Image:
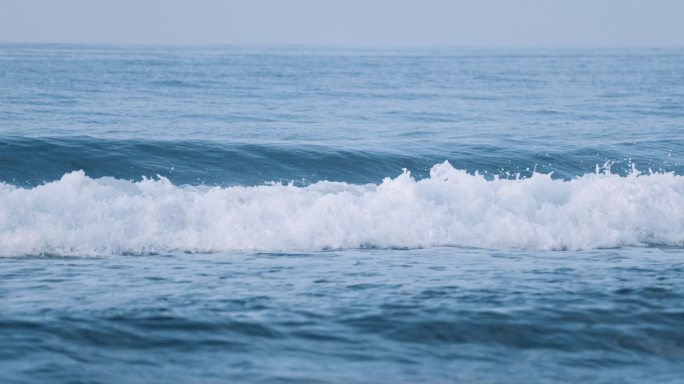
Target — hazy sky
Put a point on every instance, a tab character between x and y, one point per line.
347	22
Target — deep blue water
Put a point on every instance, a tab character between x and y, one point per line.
311	214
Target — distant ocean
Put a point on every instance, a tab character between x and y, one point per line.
341	215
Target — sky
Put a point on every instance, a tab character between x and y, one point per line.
635	23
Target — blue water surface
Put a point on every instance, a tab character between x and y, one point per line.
248	116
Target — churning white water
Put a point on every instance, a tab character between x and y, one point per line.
78	215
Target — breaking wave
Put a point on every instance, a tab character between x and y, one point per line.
77	215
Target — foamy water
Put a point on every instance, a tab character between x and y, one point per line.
78	215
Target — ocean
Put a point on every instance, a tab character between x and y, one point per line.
302	214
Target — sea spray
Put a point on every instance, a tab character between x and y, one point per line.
78	215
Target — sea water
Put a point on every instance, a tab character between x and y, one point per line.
340	214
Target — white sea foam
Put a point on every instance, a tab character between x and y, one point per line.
78	215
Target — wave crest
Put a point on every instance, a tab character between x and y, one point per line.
77	215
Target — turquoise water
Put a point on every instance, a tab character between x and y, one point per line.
304	214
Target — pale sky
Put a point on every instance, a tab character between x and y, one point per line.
347	22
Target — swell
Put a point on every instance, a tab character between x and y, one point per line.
33	161
78	215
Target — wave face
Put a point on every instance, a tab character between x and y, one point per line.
78	215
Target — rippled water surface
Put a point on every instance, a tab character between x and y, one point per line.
439	315
356	215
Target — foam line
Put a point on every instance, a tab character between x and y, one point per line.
77	215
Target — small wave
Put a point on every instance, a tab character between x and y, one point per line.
77	215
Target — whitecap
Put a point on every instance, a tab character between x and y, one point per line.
78	215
